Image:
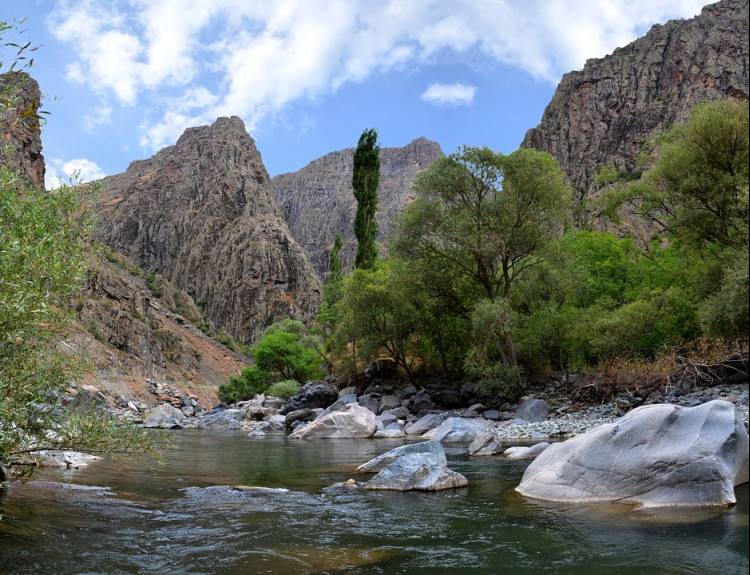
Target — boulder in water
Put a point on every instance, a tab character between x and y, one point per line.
354	421
525	452
486	443
656	455
458	429
224	420
426	423
164	416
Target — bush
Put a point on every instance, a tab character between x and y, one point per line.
251	381
725	313
284	389
285	350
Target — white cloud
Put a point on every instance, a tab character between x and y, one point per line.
449	94
101	116
255	57
76	171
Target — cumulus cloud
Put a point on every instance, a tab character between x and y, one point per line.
255	57
75	171
449	94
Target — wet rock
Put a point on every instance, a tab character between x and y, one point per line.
164	416
66	459
222	420
426	423
256	433
420	467
533	410
525	452
486	443
314	394
390	431
354	421
457	429
656	455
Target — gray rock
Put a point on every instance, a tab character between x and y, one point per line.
474	410
370	401
273	403
397	412
426	423
348	398
486	443
457	430
422	403
164	416
222	420
492	414
390	431
389	402
349	390
407	392
337	405
302	415
656	455
387	418
256	433
413	467
67	459
533	410
188	410
277	422
354	421
525	452
314	394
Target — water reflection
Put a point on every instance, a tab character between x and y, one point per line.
138	517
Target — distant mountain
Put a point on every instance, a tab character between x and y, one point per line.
605	112
317	201
202	214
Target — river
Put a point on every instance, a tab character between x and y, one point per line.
130	515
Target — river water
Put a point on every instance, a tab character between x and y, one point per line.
136	516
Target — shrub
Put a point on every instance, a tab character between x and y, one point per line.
251	381
285	350
284	389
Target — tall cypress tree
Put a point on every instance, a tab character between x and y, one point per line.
365	179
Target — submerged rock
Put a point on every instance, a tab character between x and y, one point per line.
656	455
486	443
525	452
354	421
164	416
415	467
458	429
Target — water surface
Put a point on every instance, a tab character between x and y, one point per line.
134	516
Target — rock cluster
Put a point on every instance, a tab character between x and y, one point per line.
201	213
317	201
603	114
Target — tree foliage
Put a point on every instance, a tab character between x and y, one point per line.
365	179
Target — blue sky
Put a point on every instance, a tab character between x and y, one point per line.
121	79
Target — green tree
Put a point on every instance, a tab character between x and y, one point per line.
44	253
330	313
365	178
696	188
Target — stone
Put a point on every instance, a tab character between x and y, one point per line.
277	422
188	410
223	420
492	414
354	421
421	403
457	430
656	455
474	410
348	398
255	409
313	394
66	459
486	443
389	402
371	401
532	410
397	412
164	416
348	390
419	467
602	114
386	418
256	433
337	405
390	431
317	201
407	392
273	403
426	423
433	448
301	415
191	209
519	452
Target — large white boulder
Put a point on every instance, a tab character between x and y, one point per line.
525	452
353	422
164	416
458	429
656	455
414	467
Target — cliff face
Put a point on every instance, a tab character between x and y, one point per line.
20	133
317	201
202	214
605	112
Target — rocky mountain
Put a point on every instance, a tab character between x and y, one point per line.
605	112
317	201
201	213
20	133
130	326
